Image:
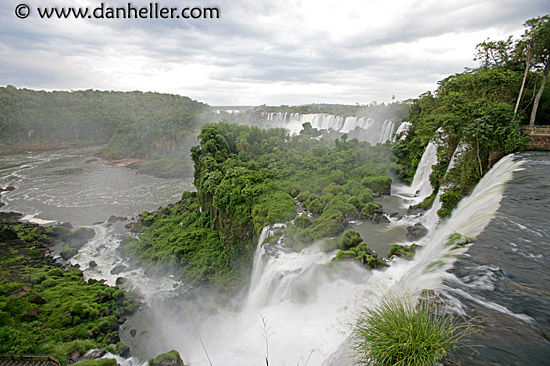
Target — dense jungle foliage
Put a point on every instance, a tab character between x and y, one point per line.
248	178
477	114
45	309
160	128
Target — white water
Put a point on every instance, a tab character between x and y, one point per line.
103	249
403	128
309	306
420	187
431	219
376	131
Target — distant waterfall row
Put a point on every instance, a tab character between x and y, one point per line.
375	131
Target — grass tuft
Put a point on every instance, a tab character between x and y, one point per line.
399	332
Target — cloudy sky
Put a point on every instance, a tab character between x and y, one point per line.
259	51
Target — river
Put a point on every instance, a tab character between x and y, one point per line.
298	308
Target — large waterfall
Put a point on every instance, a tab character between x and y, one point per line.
375	131
299	308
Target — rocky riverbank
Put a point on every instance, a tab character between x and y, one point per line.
47	307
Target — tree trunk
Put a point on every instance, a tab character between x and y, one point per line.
527	62
539	94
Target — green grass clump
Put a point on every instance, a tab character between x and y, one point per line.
398	332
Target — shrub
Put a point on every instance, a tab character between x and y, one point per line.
365	196
303	196
379	185
369	209
302	221
353	187
399	333
349	240
449	200
333	188
402	251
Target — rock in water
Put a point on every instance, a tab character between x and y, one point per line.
78	238
416	232
119	268
171	358
68	253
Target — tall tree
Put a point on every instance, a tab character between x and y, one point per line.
496	53
528	57
538	33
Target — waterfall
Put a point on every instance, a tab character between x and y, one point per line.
308	304
470	217
429	267
420	187
421	181
403	128
376	131
430	218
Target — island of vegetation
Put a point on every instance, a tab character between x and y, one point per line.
247	178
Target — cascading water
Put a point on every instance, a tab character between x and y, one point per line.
420	187
430	219
376	131
309	305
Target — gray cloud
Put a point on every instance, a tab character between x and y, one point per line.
276	52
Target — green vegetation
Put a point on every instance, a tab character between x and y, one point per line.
48	310
457	241
479	112
403	251
160	128
352	248
399	333
173	356
247	178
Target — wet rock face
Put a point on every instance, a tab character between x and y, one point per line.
78	238
2	190
114	219
119	268
10	217
416	232
68	253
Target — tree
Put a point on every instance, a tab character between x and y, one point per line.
528	58
496	53
538	34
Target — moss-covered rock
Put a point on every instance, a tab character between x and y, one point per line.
349	240
171	358
402	251
362	254
68	253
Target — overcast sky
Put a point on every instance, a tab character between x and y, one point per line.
259	51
